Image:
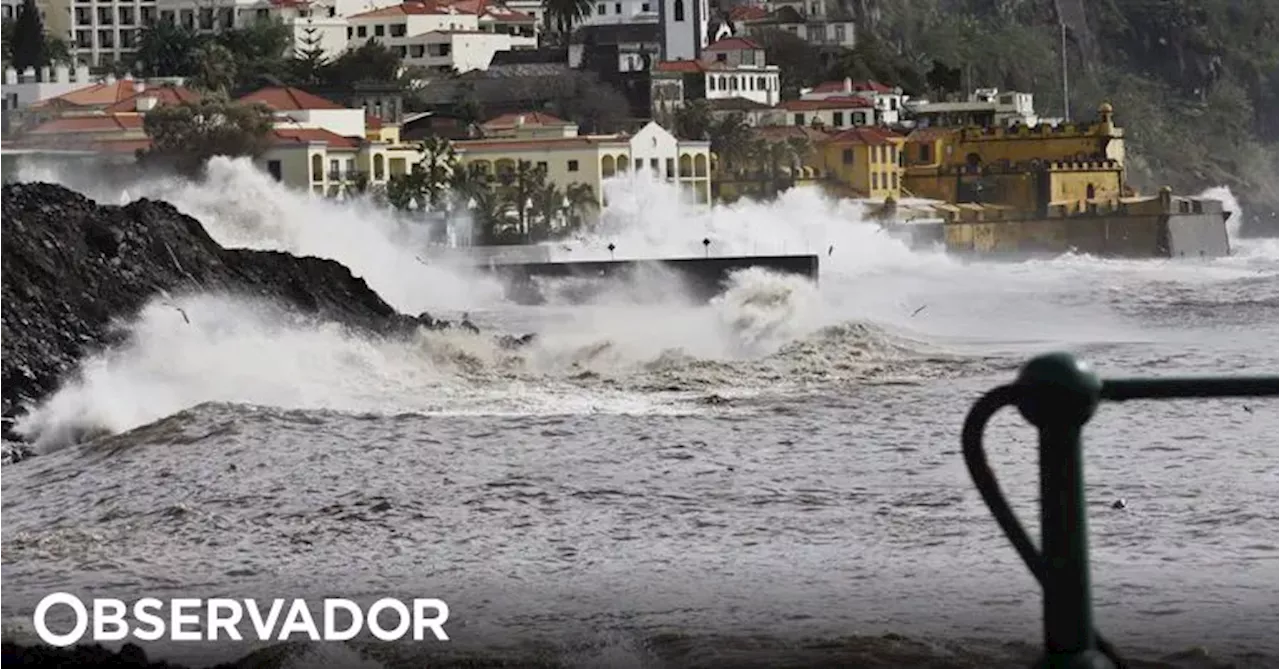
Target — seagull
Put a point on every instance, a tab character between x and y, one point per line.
1119	504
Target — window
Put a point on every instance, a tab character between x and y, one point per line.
671	167
799	119
84	39
840	34
187	18
617	8
573	166
644	7
749	57
875	180
711	83
542	165
83	17
679	10
106	39
847	157
128	39
653	165
126	16
397	30
206	19
924	153
639	164
362	31
416	50
351	32
600	9
895	179
273	168
837	119
104	16
379	30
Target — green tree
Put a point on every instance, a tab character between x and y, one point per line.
184	136
27	41
564	13
581	199
215	68
262	51
371	61
166	49
309	60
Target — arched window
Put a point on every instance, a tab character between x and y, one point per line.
679	10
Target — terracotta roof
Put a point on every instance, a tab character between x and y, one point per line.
372	122
827	103
732	44
532	118
856	86
736	104
776	133
95	124
692	66
929	134
680	66
405	9
164	95
77	143
869	135
284	98
94	95
747	13
552	144
310	135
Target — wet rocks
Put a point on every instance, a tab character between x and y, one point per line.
72	267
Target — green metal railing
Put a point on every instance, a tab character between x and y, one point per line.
1058	395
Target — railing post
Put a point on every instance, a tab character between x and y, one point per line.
1059	394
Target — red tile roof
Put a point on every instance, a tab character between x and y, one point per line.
680	66
94	95
108	123
869	135
857	86
827	103
532	118
372	122
552	144
311	135
404	9
733	44
164	95
748	13
282	98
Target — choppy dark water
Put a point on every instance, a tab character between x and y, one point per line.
611	501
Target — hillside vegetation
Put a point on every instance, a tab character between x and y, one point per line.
1194	82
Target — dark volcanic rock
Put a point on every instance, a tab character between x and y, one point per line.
71	267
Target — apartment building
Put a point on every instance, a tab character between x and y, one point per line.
460	36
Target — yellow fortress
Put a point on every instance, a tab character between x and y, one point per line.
1047	190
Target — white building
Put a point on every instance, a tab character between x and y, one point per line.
686	28
729	69
22	89
462	36
886	100
984	107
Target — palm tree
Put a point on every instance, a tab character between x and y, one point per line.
548	209
519	186
439	161
566	12
730	141
581	198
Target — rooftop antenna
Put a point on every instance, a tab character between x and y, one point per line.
1066	95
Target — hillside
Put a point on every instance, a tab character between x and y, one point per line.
1194	82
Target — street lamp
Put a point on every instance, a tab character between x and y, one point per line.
706	247
611	247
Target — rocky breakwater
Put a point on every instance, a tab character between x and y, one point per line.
71	268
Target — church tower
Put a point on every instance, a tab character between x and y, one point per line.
686	26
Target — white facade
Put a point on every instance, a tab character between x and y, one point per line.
345	122
622	11
104	32
758	83
1003	109
22	89
686	28
444	37
888	102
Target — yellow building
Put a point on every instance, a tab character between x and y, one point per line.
590	160
1024	168
865	162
